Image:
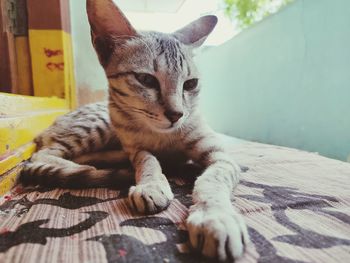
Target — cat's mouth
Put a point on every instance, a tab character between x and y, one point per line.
172	127
167	127
160	124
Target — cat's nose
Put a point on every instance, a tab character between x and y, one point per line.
173	116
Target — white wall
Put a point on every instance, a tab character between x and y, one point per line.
88	72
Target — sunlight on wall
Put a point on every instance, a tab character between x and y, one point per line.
189	11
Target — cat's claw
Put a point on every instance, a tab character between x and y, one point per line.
150	198
217	232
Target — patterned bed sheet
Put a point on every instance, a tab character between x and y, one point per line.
296	205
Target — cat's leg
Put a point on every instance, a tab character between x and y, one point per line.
152	192
215	228
111	157
49	167
56	155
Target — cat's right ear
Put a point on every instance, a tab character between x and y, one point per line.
195	33
108	24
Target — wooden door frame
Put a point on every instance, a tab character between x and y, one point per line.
8	63
48	68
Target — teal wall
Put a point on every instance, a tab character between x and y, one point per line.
286	80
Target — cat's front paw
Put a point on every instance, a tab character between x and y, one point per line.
150	198
217	232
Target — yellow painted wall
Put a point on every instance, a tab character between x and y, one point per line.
52	64
23	118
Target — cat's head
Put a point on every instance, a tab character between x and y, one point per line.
151	75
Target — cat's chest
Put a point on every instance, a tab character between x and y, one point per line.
165	144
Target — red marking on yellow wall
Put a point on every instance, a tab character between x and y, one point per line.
55	66
51	52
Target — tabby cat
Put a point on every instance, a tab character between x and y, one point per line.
152	113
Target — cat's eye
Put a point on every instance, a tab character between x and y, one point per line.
147	80
190	84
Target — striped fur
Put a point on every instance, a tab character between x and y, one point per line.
75	136
152	114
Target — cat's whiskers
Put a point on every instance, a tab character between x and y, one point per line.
148	115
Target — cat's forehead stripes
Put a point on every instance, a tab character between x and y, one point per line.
155	65
170	50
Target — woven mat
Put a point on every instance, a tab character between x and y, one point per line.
296	205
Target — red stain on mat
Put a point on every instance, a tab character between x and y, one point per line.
18	190
4	231
122	252
7	197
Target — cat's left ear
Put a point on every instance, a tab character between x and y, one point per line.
195	33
